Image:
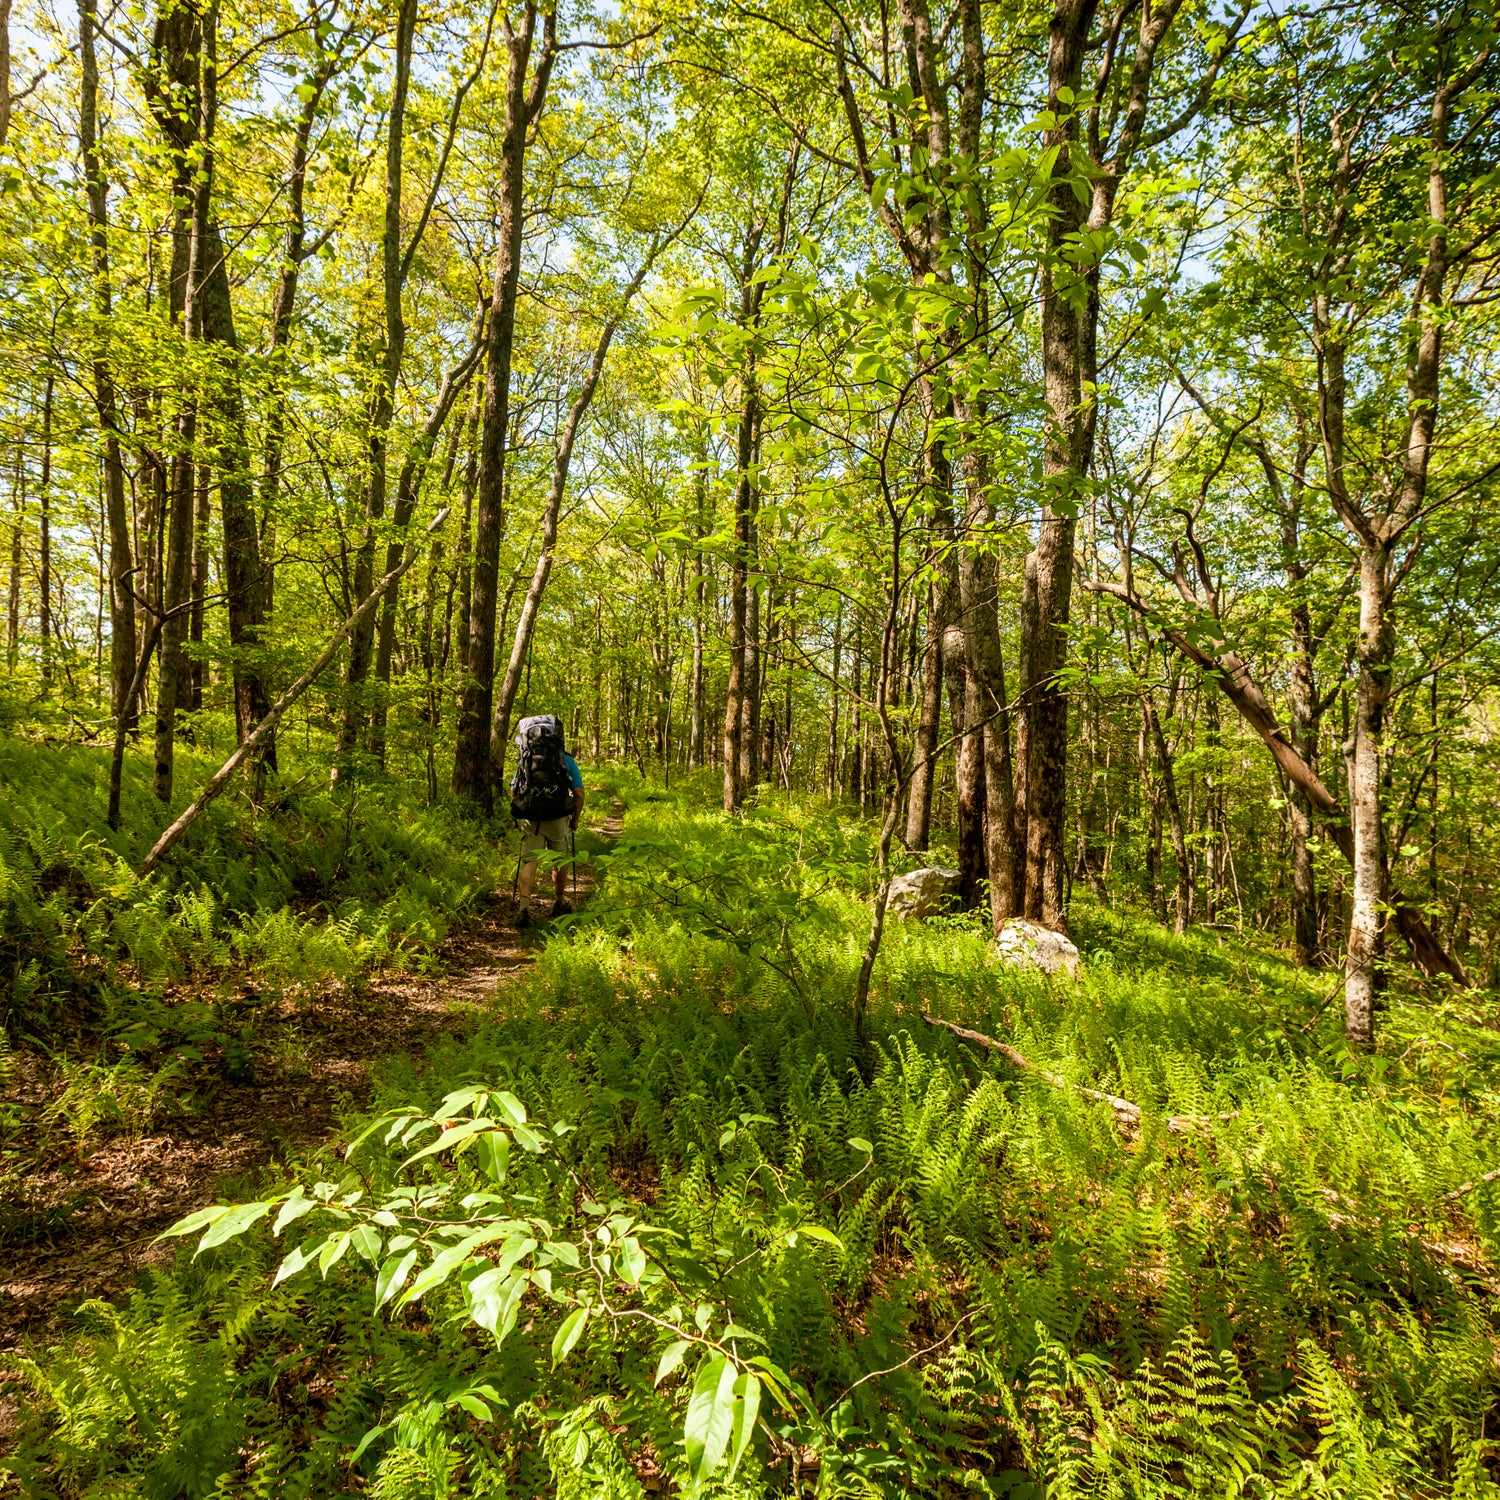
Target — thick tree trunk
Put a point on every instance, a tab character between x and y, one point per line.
471	761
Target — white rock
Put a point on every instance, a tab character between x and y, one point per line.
1029	945
922	893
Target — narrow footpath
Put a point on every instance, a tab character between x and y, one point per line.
98	1209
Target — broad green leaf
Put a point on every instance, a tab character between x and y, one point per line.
366	1242
297	1259
195	1221
710	1417
568	1334
511	1107
494	1154
817	1232
292	1210
630	1261
446	1261
393	1276
449	1139
671	1358
473	1405
528	1138
746	1409
333	1251
236	1221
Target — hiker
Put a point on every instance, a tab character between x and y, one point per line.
546	798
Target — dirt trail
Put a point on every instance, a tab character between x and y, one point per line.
94	1214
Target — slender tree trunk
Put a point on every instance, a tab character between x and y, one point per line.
44	563
117	513
472	776
1168	783
1362	981
13	591
383	397
929	715
698	710
198	588
835	761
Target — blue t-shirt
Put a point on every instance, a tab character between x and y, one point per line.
575	776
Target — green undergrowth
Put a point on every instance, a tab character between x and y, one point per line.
305	887
949	1276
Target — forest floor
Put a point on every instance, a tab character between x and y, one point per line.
92	1211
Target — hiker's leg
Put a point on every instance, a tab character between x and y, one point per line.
560	881
532	844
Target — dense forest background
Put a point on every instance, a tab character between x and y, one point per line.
1058	442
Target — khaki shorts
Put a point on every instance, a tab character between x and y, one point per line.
553	835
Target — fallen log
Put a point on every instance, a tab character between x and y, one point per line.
1127	1114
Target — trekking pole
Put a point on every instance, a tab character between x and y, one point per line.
515	884
573	837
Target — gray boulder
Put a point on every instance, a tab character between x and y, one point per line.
922	893
1029	945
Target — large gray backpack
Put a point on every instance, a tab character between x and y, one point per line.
542	789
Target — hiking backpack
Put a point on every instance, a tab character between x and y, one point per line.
541	790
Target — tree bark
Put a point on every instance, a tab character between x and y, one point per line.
44	561
924	766
382	398
562	460
471	761
117	513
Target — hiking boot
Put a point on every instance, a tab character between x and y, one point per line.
523	918
560	908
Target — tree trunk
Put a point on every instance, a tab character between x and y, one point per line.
198	589
1168	782
117	513
929	715
44	563
471	759
382	399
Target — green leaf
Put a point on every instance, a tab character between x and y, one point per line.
631	1261
447	1261
227	1225
493	1152
450	1138
365	1441
194	1221
567	1336
333	1251
817	1232
292	1210
393	1276
367	1242
860	1144
473	1405
511	1107
710	1417
528	1138
671	1358
746	1409
297	1259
